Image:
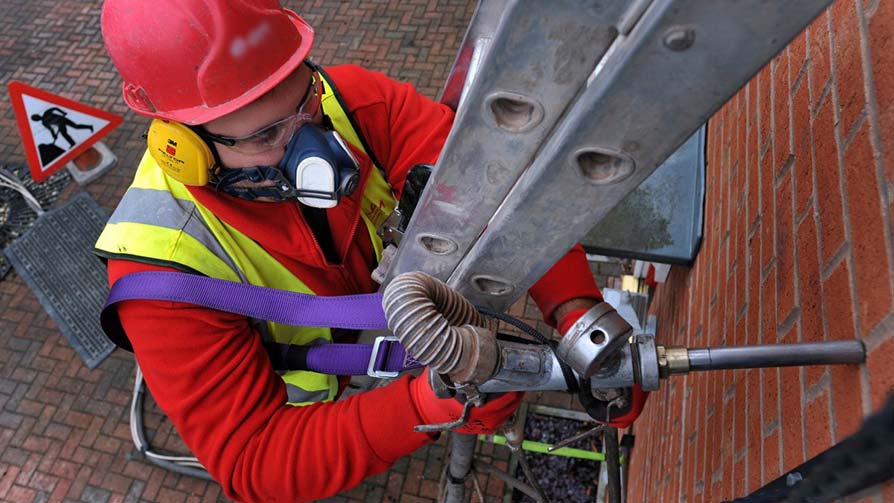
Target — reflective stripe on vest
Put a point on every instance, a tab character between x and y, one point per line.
158	221
378	200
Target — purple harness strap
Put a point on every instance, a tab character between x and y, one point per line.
364	312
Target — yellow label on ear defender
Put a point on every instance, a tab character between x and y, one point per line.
180	152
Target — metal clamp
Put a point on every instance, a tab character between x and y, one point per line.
596	335
371	369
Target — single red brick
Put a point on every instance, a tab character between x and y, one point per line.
429	489
764	105
881	372
881	40
730	412
837	301
750	107
871	266
729	475
741	271
772	461
150	492
809	283
817	425
414	476
754	430
803	167
715	334
754	291
59	492
8	474
847	399
36	443
768	212
737	126
752	167
797	53
792	418
848	62
740	488
723	232
716	445
62	468
785	255
770	397
782	140
394	485
731	312
43	482
689	467
820	59
119	484
703	438
19	493
741	144
768	310
828	188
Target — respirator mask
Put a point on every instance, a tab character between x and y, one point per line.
317	170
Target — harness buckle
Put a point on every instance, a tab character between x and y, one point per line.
377	346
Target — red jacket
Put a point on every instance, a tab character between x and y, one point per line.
208	371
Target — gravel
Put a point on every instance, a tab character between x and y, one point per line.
566	480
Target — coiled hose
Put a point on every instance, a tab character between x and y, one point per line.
440	328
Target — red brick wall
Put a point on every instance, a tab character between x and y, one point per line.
797	247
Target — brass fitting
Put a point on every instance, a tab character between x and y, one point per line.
672	361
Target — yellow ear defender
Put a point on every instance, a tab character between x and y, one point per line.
180	152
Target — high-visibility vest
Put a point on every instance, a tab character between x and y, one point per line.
159	222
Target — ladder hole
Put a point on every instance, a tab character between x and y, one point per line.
437	245
679	38
603	169
515	113
492	286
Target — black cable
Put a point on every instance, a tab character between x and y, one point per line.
517	323
567	373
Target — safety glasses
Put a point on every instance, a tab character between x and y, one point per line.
277	134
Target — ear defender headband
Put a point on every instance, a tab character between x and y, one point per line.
180	152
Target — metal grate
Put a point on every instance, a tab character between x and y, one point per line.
15	215
55	258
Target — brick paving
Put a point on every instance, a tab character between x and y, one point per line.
64	432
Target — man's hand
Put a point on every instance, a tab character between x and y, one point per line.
483	420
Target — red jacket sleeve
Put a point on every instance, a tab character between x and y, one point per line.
402	127
208	371
570	278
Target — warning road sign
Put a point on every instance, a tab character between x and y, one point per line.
54	129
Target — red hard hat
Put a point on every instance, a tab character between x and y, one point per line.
192	61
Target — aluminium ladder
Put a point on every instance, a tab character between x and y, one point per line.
563	108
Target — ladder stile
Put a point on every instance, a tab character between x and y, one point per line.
478	36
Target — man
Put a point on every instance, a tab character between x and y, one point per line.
265	197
